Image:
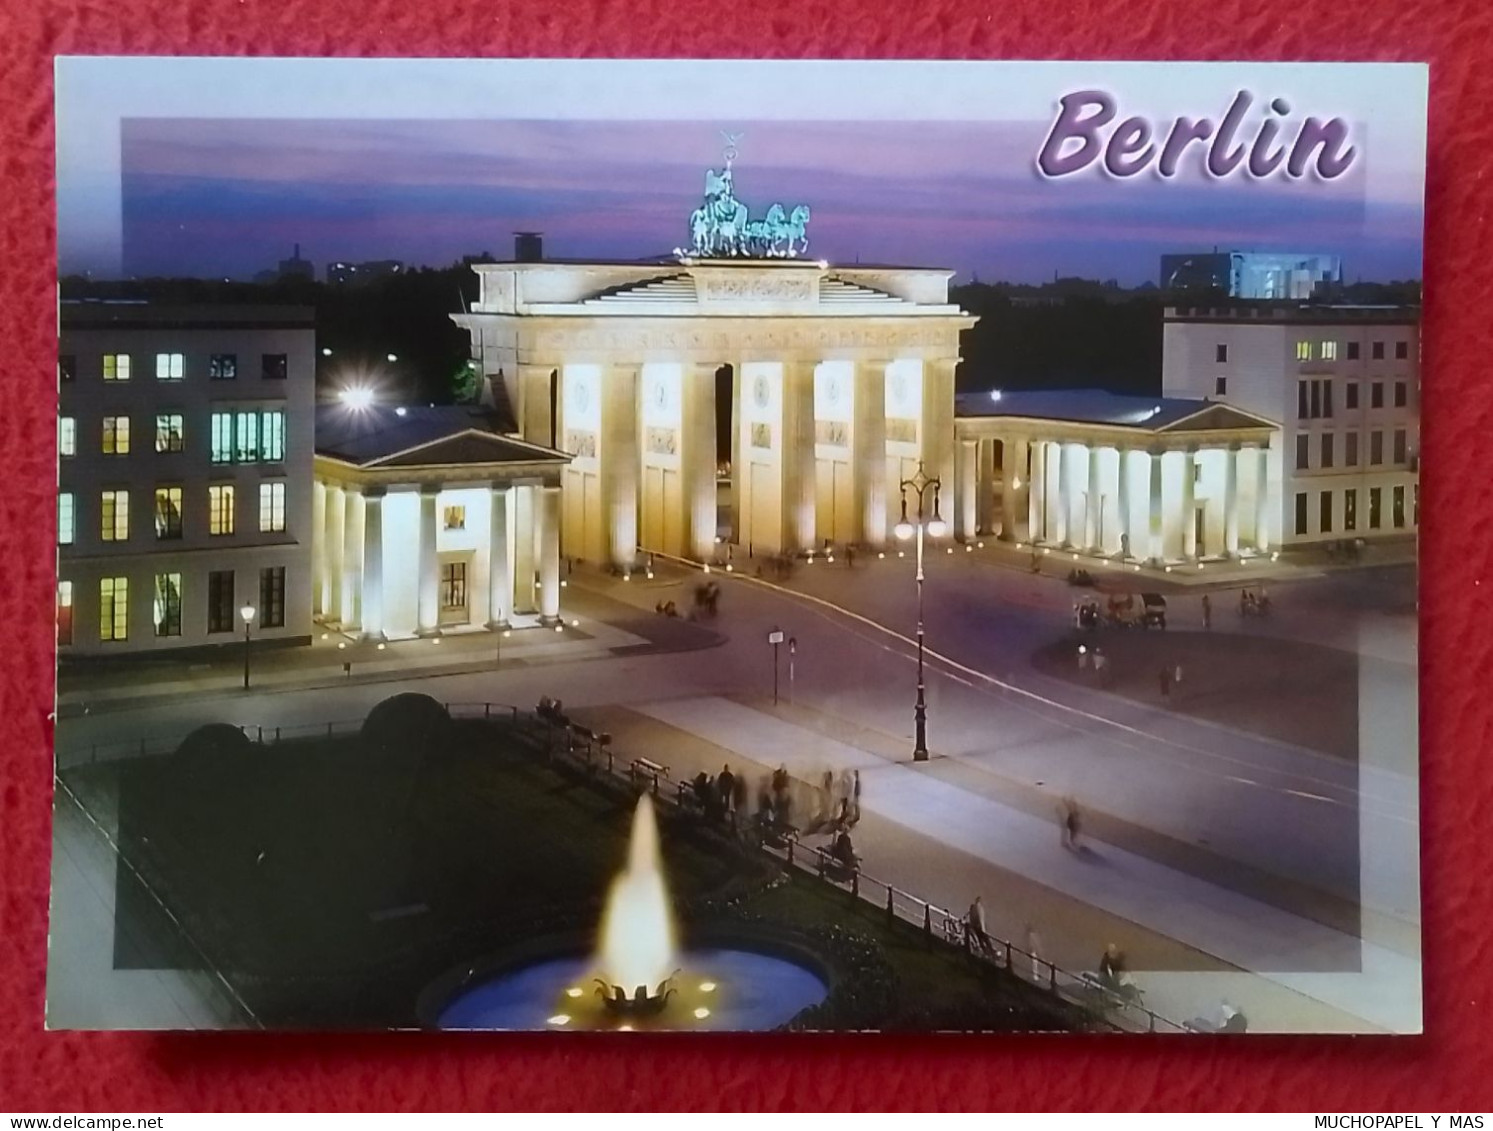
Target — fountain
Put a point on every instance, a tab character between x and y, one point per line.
638	977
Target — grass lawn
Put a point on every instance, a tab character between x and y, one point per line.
330	880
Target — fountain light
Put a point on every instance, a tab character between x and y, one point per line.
637	937
707	987
729	568
701	1013
574	991
624	1028
560	1019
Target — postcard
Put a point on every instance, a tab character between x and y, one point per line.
625	545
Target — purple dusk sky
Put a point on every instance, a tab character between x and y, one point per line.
230	197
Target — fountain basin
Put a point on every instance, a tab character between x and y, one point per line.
734	989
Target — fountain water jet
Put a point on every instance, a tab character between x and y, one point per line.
637	934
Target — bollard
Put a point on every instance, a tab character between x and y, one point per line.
1151	1027
855	884
891	910
261	736
1008	956
1052	977
928	921
487	710
277	735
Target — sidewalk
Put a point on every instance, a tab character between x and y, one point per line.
594	627
1307	979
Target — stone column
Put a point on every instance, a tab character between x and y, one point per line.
1037	509
1189	505
352	558
1093	511
373	564
966	503
1231	501
936	435
1126	540
1065	483
697	460
429	567
318	548
1262	499
869	458
619	464
1016	488
799	463
547	513
985	487
332	598
499	576
738	468
536	420
1156	530
524	526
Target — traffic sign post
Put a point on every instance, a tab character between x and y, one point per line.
775	638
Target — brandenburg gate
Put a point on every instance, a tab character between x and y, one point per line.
840	379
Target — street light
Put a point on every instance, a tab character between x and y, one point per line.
247	612
919	485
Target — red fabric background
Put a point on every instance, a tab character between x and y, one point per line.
1449	1067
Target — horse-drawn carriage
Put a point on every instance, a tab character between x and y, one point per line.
1123	610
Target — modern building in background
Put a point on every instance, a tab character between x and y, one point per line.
1342	382
185	447
1252	274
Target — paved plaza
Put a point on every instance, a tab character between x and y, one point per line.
1228	863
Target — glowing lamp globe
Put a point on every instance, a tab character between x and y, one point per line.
937	528
903	530
247	612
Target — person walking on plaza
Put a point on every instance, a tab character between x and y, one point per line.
1207	612
725	787
1101	667
1034	948
855	796
1071	823
1164	677
975	935
1177	679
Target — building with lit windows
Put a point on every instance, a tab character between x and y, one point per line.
1343	382
185	449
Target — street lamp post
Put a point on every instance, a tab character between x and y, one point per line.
927	519
247	612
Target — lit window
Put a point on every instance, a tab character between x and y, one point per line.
116	435
1303	351
271	508
168	513
456	518
454	585
1329	351
114	516
272	597
67	519
272	435
222	437
222	366
167	610
114	608
170	366
246	437
169	432
67	436
64	612
116	367
220	509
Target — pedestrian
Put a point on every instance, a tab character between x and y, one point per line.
975	935
1083	657
849	557
1207	612
1112	967
1177	679
1165	679
855	796
1071	824
1124	547
725	786
1034	948
1101	667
